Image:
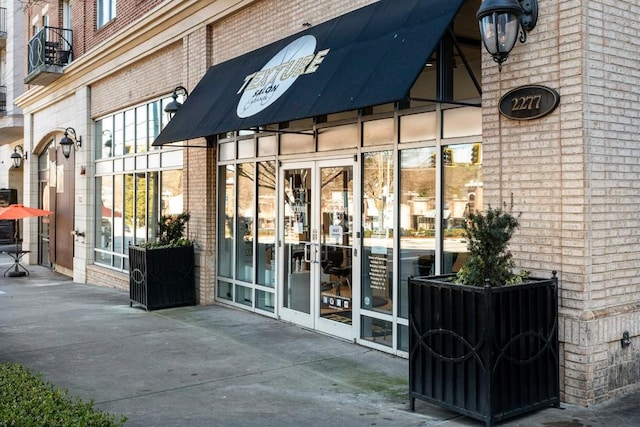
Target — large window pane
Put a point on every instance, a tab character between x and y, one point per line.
378	226
226	206
266	244
153	210
118	134
140	208
104	138
265	301
131	201
129	131
154	121
224	290
376	330
118	214
129	210
172	197
417	218
104	234
244	222
141	129
462	182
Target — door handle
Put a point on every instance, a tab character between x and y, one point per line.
311	258
307	252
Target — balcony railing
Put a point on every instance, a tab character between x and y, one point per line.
3	99
49	50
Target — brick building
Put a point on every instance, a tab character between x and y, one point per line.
318	218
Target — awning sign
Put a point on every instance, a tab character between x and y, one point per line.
370	56
264	87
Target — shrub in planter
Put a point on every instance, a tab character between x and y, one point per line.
477	345
25	400
162	273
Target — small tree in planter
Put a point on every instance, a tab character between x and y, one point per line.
490	262
478	346
161	273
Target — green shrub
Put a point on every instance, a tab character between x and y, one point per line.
170	232
26	401
490	262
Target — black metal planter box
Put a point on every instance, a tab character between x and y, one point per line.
161	277
488	353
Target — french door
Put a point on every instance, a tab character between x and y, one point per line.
318	251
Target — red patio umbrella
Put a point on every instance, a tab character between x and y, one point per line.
21	211
16	212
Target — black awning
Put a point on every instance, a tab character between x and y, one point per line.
370	56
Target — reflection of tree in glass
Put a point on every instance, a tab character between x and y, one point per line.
378	179
246	177
172	192
267	175
137	188
418	174
459	174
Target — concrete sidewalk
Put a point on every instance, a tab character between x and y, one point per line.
205	366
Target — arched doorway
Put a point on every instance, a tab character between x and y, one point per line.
56	189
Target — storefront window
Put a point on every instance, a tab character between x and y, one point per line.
118	209
378	234
130	198
141	129
129	209
172	187
244	231
462	188
265	301
154	121
104	138
224	290
104	233
226	213
417	218
140	208
266	244
129	132
118	135
377	330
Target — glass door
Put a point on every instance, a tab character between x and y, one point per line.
335	291
300	243
318	245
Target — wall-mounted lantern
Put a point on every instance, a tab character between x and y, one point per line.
17	156
66	143
501	21
173	106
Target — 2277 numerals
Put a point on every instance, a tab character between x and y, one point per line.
531	102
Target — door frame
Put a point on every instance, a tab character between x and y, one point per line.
313	320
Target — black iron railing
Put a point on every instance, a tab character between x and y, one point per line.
3	22
3	99
50	46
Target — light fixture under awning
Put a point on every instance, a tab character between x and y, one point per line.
368	57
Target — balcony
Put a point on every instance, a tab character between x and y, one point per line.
49	51
3	27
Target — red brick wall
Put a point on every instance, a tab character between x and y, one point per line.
86	36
